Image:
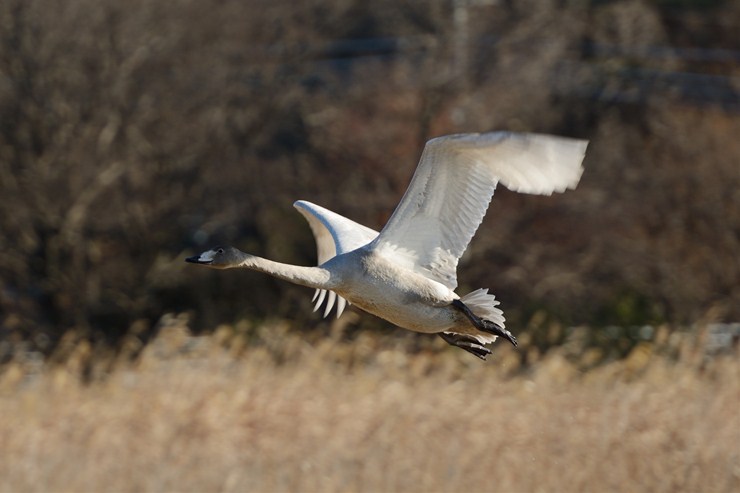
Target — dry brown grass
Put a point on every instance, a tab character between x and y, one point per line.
196	414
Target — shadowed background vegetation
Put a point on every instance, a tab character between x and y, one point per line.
135	133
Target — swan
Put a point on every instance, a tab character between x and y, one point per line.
406	273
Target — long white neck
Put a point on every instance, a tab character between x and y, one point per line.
313	277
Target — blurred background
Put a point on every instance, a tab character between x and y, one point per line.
135	133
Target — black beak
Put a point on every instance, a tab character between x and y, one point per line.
196	260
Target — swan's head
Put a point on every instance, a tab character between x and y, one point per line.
218	258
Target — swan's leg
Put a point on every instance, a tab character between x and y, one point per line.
483	324
468	343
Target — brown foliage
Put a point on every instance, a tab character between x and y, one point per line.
191	415
133	132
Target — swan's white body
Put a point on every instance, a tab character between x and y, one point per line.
406	274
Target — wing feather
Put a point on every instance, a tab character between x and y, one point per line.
322	295
453	185
334	235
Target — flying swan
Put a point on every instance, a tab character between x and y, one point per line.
406	274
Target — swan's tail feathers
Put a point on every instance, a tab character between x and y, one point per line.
484	338
321	294
484	305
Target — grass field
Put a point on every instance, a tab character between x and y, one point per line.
202	414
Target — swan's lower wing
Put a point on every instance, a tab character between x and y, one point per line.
330	296
334	235
453	185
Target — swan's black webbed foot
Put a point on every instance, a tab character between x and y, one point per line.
483	324
468	343
496	329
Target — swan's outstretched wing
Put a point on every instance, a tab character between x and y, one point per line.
334	235
453	185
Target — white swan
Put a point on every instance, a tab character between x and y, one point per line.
406	274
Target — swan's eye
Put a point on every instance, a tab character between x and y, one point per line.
220	251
